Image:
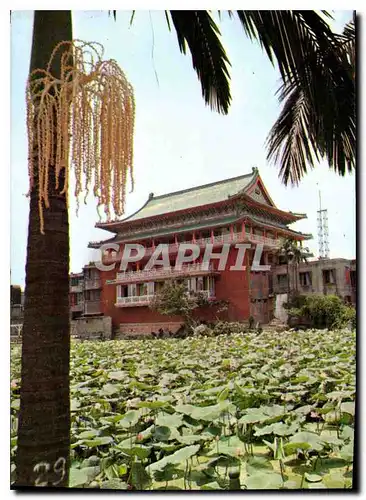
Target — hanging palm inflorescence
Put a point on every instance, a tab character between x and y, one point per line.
84	120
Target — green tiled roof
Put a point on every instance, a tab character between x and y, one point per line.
193	197
279	226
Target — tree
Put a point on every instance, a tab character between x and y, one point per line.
175	300
42	457
317	67
293	255
299	254
286	252
44	417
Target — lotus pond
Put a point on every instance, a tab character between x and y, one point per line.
244	411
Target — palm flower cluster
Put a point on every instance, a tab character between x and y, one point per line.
83	119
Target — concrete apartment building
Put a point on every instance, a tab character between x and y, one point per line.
85	292
322	277
87	319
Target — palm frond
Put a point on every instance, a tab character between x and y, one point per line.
327	14
348	43
287	37
291	142
318	118
167	19
114	13
198	30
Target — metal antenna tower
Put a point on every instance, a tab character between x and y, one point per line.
323	234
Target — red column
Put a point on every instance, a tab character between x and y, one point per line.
243	230
212	236
231	233
153	244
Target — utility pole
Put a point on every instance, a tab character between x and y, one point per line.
323	233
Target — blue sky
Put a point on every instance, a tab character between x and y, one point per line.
179	142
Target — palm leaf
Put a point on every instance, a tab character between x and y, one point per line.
167	19
287	37
198	30
290	141
348	43
114	13
318	118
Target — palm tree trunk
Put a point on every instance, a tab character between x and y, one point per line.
44	415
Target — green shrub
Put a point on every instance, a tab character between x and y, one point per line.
322	311
174	300
227	328
296	301
348	317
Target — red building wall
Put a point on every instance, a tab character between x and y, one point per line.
229	285
234	287
121	315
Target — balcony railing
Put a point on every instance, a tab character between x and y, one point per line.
92	307
143	300
269	242
76	288
132	301
157	273
92	284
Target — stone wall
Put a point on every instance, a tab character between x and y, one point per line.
92	328
136	329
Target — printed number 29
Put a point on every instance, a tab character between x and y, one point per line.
43	468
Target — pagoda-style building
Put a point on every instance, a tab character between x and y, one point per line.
236	210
